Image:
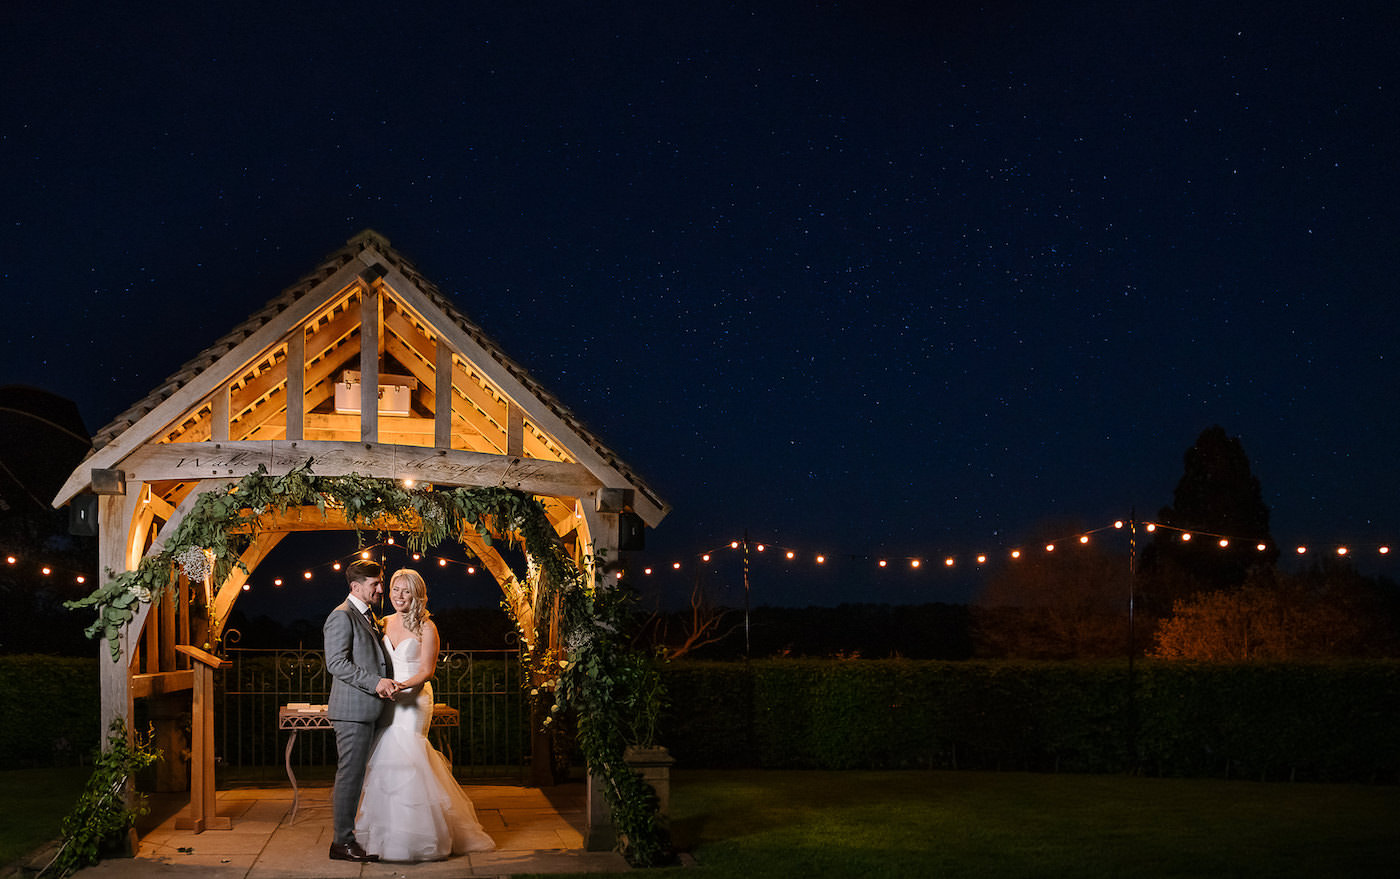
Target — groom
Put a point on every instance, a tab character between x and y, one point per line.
360	686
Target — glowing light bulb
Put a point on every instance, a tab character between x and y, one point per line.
981	560
646	570
1186	537
365	554
913	563
277	582
1261	547
307	575
1151	527
1049	547
734	544
1118	524
1302	550
442	563
47	570
1341	550
675	566
408	483
246	587
948	562
81	579
1015	553
790	555
390	541
761	547
821	559
705	557
1385	550
883	563
11	559
471	569
335	566
1224	542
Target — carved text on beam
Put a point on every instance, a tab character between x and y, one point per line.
436	466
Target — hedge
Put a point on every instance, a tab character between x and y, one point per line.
49	711
1322	721
1326	721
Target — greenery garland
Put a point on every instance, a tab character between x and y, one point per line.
102	816
595	681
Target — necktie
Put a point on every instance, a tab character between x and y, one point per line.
373	623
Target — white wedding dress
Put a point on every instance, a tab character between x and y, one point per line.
412	809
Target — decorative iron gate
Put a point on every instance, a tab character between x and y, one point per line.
485	686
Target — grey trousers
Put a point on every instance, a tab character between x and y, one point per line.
353	741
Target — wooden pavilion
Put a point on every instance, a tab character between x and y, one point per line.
365	367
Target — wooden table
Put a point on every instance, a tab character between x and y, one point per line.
297	716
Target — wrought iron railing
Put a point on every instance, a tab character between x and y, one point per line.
485	686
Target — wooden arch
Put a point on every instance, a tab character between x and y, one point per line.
366	368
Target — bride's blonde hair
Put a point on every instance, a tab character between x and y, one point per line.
417	611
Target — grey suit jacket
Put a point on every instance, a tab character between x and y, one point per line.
356	661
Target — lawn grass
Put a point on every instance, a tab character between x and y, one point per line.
33	803
752	825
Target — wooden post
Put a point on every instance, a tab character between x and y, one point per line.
203	814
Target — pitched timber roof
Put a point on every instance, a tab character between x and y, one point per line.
368	248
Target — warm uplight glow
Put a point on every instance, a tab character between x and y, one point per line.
407	483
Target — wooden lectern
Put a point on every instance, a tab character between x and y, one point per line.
203	815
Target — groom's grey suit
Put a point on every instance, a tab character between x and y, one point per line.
357	661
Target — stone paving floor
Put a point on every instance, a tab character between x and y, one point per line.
536	831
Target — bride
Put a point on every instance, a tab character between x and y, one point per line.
412	809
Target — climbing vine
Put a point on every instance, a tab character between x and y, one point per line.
102	813
590	677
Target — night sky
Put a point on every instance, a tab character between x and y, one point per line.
871	279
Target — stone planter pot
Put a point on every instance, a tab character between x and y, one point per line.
654	766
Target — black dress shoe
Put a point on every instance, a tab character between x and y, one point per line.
350	851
